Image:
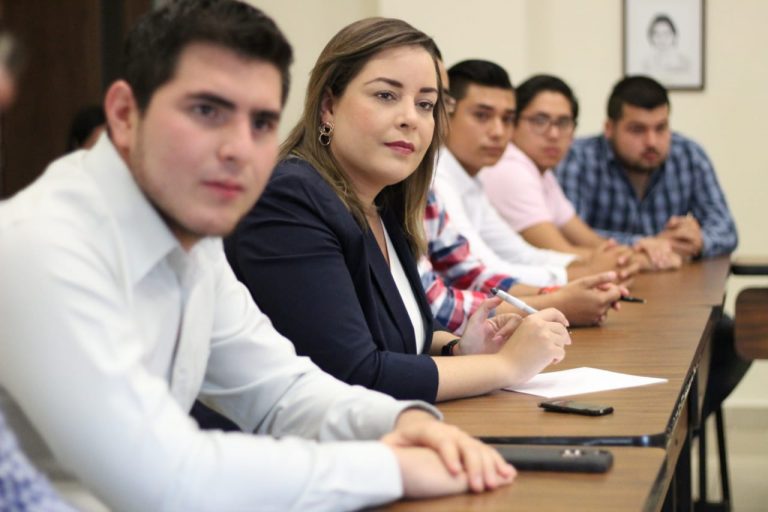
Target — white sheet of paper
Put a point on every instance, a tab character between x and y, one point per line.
579	381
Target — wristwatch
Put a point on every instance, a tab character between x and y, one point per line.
447	349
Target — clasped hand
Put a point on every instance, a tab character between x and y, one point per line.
437	459
684	233
659	253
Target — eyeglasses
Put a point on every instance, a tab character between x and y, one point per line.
541	124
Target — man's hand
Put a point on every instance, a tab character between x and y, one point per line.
684	233
425	476
586	301
658	254
607	256
437	459
485	335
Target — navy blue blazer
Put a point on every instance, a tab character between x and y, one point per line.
325	285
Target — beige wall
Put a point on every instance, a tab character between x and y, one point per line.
309	25
580	40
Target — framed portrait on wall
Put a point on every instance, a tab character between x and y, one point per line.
664	39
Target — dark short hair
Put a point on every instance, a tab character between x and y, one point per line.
639	91
480	72
85	121
661	18
527	91
153	46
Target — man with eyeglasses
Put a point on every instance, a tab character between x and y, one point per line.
477	137
523	188
481	126
459	216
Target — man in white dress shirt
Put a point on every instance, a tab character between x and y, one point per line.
482	123
118	308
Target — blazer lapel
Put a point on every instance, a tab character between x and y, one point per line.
412	273
408	261
385	283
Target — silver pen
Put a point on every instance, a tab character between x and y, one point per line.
514	301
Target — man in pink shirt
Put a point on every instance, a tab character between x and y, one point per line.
536	197
522	187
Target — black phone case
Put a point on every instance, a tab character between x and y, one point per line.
561	406
550	458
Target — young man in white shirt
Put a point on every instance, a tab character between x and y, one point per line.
481	124
119	309
524	190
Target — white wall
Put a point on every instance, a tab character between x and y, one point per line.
580	40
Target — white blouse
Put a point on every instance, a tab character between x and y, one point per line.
406	293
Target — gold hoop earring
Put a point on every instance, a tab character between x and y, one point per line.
326	131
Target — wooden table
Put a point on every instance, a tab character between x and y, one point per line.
701	282
639	476
649	431
655	339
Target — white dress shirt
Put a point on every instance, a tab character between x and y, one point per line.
110	331
500	247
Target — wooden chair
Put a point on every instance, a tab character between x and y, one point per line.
751	328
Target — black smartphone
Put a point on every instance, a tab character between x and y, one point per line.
576	407
549	458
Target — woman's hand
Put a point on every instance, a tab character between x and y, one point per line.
539	341
485	335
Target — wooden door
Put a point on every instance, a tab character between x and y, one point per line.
73	52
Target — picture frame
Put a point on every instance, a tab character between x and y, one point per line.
664	39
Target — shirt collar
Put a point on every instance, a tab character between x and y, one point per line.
449	168
607	149
145	236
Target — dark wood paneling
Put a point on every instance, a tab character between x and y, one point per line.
65	71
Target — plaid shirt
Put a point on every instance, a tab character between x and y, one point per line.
22	487
454	280
685	183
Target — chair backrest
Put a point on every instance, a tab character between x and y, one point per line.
751	323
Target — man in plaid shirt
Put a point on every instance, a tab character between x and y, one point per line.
639	182
22	487
456	282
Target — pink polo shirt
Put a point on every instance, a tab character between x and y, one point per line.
522	195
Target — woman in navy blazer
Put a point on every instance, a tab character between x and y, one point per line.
343	213
326	286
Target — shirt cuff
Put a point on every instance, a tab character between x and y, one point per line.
371	419
706	247
560	275
352	476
